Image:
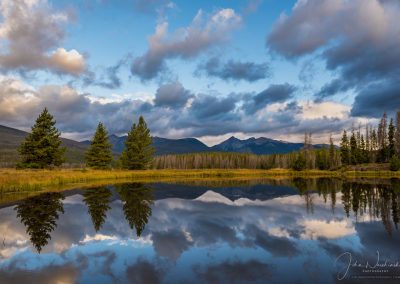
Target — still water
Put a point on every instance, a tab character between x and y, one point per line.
285	231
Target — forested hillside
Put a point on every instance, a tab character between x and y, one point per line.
11	139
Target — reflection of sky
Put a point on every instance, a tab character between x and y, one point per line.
209	239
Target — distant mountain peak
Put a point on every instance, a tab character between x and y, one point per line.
214	197
233	138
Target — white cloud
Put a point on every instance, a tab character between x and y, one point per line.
33	32
187	42
68	61
312	110
331	230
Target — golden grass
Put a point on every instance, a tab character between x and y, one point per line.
12	180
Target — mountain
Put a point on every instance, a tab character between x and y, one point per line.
163	146
259	146
179	146
11	138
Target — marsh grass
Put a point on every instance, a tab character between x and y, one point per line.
12	180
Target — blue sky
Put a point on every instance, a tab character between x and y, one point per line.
205	69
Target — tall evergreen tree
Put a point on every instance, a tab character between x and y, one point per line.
331	152
99	154
42	147
363	157
367	144
397	133
391	140
353	149
138	153
344	149
374	145
382	140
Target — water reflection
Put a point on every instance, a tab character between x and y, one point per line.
39	214
213	233
137	199
97	201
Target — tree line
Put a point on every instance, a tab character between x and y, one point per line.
325	158
42	147
381	145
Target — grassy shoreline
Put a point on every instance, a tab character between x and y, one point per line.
12	180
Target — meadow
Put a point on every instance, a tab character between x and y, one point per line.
12	180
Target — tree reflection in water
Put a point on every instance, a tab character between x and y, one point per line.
137	199
377	200
39	215
97	200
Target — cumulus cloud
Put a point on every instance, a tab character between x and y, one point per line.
357	39
172	95
204	32
174	112
273	94
331	230
234	70
33	31
207	106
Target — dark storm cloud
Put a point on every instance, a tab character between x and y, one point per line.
207	106
332	88
188	42
172	95
357	39
377	98
232	70
273	94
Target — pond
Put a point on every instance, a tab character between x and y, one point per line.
262	231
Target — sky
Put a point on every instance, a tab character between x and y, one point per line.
205	69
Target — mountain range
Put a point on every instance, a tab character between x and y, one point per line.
11	138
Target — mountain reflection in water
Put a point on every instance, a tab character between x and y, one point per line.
226	232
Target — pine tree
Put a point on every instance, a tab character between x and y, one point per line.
367	145
382	139
42	147
344	149
99	154
331	152
353	149
374	145
138	153
363	157
391	140
397	133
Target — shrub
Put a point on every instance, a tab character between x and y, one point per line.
395	163
300	163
